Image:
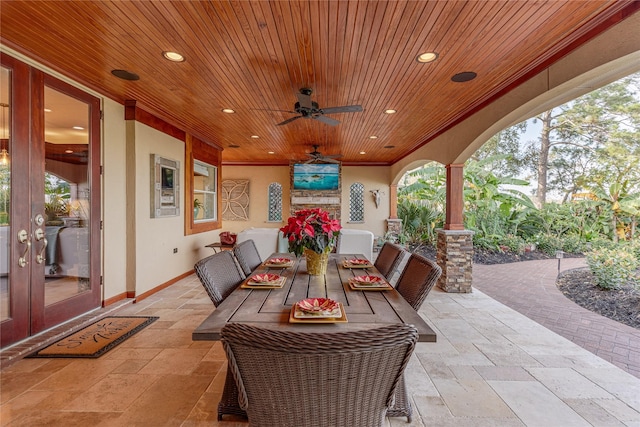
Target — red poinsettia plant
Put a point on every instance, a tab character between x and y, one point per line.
311	229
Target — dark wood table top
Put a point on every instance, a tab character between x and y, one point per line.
270	308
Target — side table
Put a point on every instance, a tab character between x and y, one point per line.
217	246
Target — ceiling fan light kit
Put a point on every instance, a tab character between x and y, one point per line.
308	109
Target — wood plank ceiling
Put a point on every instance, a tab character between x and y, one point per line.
255	56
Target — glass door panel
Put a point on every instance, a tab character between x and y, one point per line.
66	196
5	195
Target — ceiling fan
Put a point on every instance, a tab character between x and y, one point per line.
308	109
317	156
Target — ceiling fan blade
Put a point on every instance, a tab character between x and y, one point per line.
327	159
288	120
333	156
304	100
327	120
343	109
321	159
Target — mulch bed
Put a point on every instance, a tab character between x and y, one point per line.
621	305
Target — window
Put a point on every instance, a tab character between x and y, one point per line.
356	202
203	183
205	207
275	202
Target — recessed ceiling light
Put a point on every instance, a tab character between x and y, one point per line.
173	56
68	151
47	110
427	57
228	110
78	128
255	136
464	77
271	152
125	75
390	111
363	152
373	137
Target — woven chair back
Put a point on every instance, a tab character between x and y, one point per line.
417	279
389	259
219	274
247	255
301	379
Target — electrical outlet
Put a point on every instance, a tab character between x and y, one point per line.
175	250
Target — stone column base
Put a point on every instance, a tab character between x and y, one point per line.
455	256
394	226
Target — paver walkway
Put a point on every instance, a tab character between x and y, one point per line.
529	287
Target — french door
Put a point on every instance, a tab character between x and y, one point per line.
49	201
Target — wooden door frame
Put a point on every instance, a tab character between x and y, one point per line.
28	314
17	326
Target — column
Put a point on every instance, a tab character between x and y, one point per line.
455	256
454	219
455	244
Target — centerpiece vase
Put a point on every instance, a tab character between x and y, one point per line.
316	263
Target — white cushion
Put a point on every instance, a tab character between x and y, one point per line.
265	239
353	241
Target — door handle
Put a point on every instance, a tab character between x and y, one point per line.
40	258
38	234
23	237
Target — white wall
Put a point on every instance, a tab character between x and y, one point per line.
156	238
259	179
372	177
113	200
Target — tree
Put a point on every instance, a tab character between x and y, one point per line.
567	151
504	149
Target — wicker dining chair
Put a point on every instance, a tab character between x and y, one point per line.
331	379
389	259
247	255
220	275
417	279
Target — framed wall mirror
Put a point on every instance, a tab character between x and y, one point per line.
165	187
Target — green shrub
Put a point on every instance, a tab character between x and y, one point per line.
549	243
634	248
486	243
602	243
515	244
612	268
573	244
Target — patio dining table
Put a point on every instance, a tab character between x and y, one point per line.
271	308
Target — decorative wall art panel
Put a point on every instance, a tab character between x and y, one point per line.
235	200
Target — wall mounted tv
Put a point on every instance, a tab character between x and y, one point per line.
316	176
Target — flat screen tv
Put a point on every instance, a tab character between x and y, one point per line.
316	176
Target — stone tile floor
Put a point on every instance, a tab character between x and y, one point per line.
530	288
491	366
